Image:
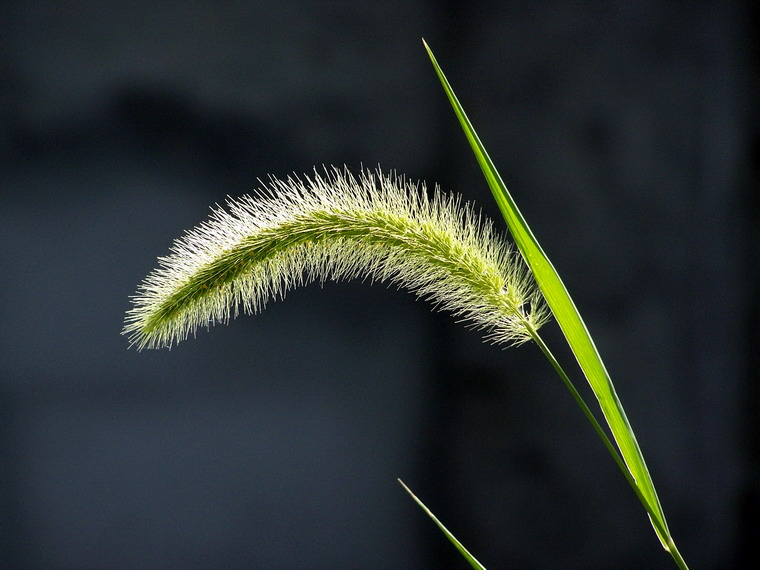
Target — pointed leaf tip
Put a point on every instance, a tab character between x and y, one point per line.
459	546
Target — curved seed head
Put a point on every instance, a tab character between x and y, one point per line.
335	226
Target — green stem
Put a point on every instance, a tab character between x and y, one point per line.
676	554
671	546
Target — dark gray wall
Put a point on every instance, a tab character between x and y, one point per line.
628	135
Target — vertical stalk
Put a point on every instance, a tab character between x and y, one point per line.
671	546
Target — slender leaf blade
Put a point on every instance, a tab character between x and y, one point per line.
459	546
568	318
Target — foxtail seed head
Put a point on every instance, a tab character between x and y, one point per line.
331	227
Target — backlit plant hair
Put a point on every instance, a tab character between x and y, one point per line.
337	226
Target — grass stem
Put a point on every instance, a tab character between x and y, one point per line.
671	546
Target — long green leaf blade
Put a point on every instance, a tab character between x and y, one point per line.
465	553
568	318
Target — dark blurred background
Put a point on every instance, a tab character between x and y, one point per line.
628	134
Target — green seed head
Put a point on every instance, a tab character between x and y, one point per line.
330	227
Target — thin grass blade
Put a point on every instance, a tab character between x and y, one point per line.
465	553
569	320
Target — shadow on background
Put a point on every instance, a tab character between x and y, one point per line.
629	137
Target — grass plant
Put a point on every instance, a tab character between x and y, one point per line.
334	225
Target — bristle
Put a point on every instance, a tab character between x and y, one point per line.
336	226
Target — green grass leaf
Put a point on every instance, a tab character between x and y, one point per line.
469	557
571	323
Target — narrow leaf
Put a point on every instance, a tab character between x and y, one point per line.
465	553
568	318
